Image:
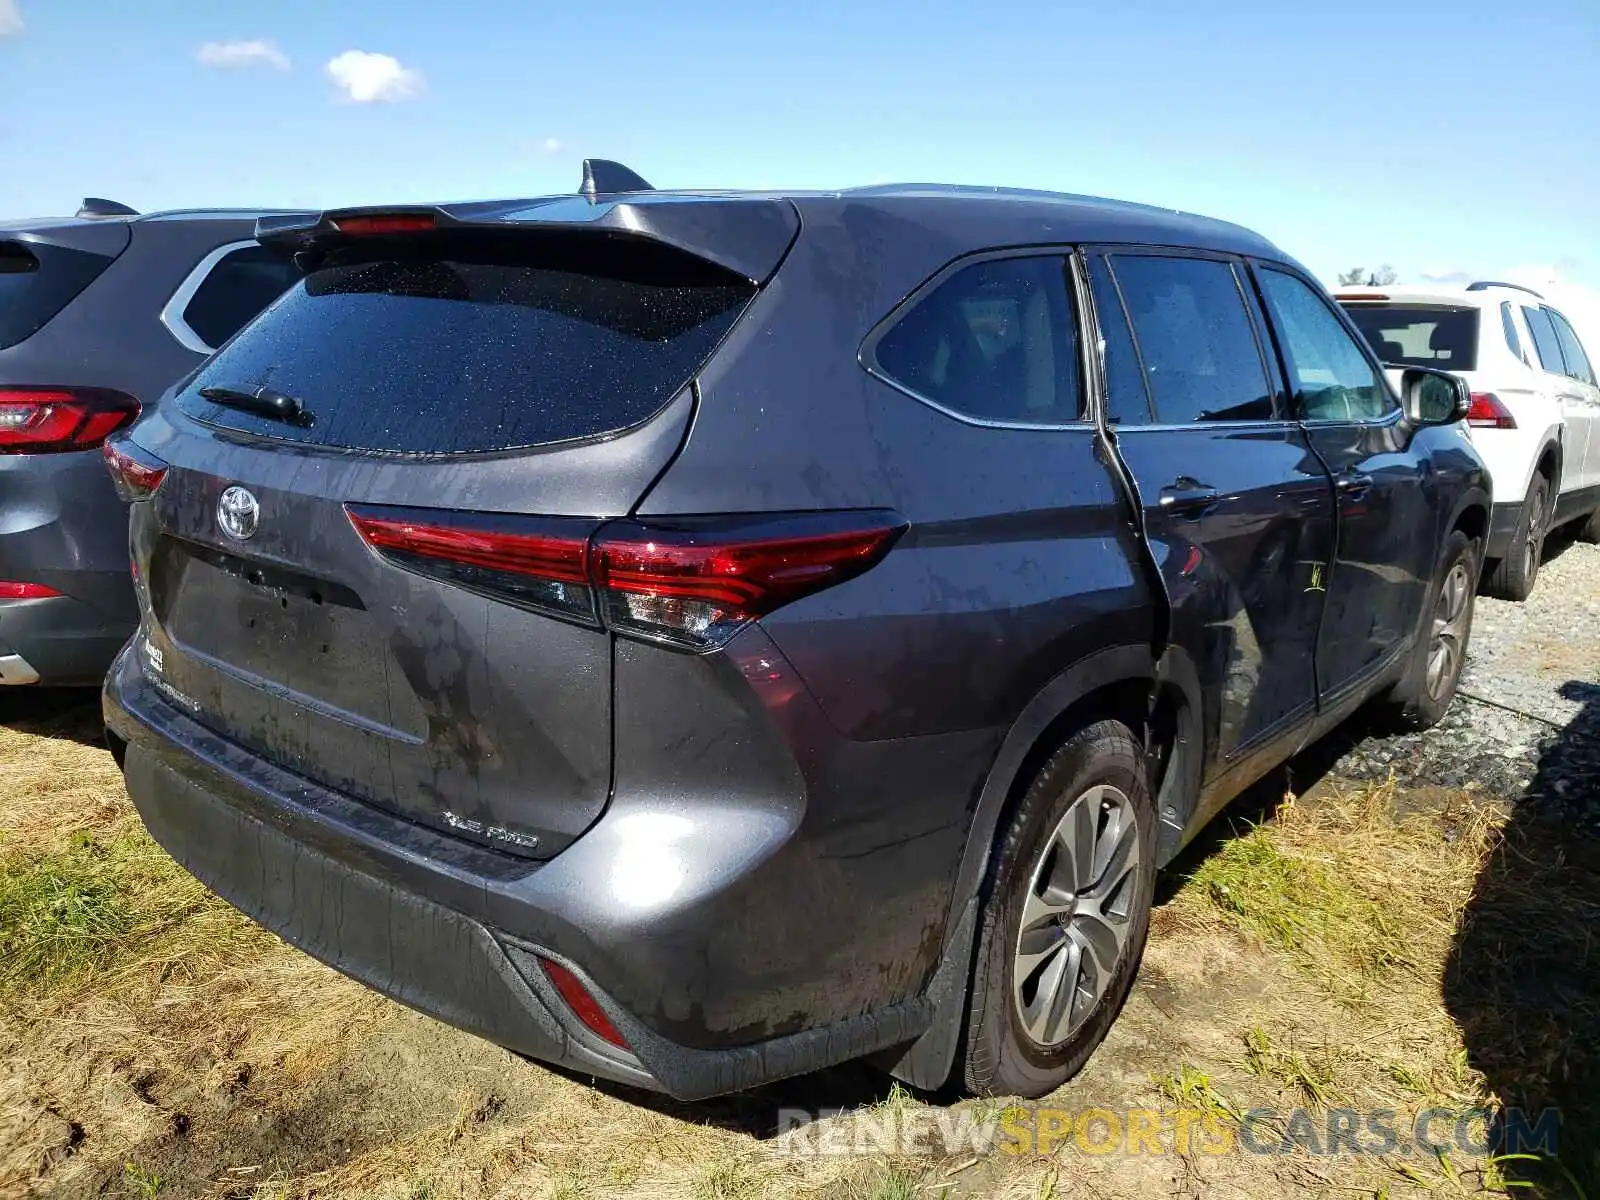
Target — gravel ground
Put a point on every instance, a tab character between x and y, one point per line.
1525	727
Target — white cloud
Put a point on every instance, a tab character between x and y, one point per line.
552	145
10	18
365	77
240	56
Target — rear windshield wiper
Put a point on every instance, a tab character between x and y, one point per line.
262	401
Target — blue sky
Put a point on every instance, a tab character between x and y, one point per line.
1437	135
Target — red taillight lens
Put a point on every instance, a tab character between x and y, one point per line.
26	591
384	224
695	584
691	583
582	1004
540	564
1486	412
137	473
51	420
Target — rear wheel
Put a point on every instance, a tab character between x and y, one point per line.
1514	576
1424	695
1065	917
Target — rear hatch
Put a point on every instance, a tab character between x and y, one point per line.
335	564
1418	333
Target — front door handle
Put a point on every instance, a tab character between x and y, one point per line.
1189	502
1353	484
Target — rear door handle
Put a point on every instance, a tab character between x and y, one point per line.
1353	484
1189	502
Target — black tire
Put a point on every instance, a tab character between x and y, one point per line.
999	1057
1419	701
1514	575
1589	531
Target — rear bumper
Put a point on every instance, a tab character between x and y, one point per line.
456	930
65	640
1503	519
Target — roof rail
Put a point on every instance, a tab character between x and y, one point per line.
1485	284
601	177
94	206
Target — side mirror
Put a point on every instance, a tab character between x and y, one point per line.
1433	397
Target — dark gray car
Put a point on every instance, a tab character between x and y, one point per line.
99	314
698	638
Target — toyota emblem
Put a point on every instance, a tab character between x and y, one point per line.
238	512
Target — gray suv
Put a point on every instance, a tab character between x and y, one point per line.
697	638
99	314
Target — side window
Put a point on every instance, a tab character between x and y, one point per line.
1544	339
1332	379
996	341
238	287
1509	324
1127	399
1571	349
1194	336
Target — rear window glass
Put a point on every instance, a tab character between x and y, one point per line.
1437	336
37	281
1544	340
475	351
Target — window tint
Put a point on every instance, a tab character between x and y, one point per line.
1420	335
471	352
1544	339
1332	379
1509	324
238	287
1571	349
1194	335
1127	400
995	341
37	281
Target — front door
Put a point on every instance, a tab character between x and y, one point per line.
1237	508
1580	405
1383	559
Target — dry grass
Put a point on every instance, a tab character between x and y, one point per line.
1347	951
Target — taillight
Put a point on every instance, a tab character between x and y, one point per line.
1486	412
583	1005
696	583
691	583
384	224
26	591
136	472
51	420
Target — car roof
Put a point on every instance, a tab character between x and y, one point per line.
1478	295
25	224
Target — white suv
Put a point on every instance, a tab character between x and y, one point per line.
1535	414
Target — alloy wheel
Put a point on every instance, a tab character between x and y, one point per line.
1533	549
1447	649
1075	917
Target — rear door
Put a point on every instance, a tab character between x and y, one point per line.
1581	404
1236	506
1577	414
345	590
1387	528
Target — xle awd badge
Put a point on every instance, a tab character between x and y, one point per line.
238	512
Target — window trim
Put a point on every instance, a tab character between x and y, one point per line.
1511	334
1363	347
172	314
867	355
1539	364
1274	379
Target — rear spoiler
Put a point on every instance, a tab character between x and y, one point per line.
748	236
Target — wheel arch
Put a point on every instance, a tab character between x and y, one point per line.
1160	702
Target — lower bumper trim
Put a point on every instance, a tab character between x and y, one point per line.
15	671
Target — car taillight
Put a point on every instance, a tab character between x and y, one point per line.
1486	412
51	420
26	591
583	1005
692	583
136	472
696	583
